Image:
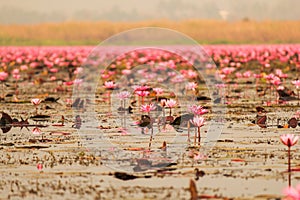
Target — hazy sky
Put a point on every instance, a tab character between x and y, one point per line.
37	11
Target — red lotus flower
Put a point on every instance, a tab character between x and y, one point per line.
39	166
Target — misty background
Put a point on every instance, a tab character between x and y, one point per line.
39	11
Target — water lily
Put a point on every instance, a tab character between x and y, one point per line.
171	103
289	140
198	122
147	108
36	102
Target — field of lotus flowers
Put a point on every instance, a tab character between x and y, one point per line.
150	123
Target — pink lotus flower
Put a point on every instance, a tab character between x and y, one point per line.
69	102
221	85
53	78
191	86
78	70
289	139
36	131
191	74
140	88
197	110
3	76
53	70
178	79
238	75
278	72
23	67
296	83
142	93
68	83
78	81
35	101
105	76
147	108
171	103
270	77
227	70
126	71
123	95
257	75
15	71
247	74
276	81
16	76
198	121
292	193
109	85
158	91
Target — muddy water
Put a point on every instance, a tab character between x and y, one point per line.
247	162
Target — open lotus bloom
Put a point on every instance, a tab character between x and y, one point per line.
171	103
35	101
142	93
109	85
197	110
198	121
289	139
296	83
147	107
158	91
